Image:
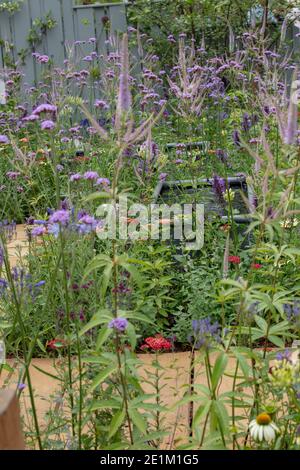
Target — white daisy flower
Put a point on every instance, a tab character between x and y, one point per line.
262	428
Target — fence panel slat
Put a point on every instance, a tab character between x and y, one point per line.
68	25
22	25
101	35
55	37
73	23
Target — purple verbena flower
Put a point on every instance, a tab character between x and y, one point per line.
118	324
47	125
45	108
4	139
75	177
60	217
103	181
90	175
38	231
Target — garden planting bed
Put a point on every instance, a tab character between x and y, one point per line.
118	333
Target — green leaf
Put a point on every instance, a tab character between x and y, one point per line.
105	279
219	369
276	340
201	413
130	330
102	316
116	423
100	261
222	415
261	323
7	368
102	376
104	404
103	335
41	346
246	369
138	420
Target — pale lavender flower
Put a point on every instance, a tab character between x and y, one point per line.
163	176
38	231
60	217
45	108
47	125
118	324
87	224
4	139
31	118
90	175
75	177
101	104
103	181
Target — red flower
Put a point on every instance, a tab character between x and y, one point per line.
234	259
55	344
256	266
157	343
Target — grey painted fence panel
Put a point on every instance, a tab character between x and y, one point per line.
101	34
68	25
55	37
74	22
22	23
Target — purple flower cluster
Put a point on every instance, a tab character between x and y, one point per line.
219	187
4	139
25	288
205	333
45	108
292	312
284	356
64	219
8	229
41	58
60	217
86	224
118	324
101	104
47	125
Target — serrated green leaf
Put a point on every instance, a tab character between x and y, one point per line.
104	404
116	423
102	376
219	369
201	413
103	335
138	420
